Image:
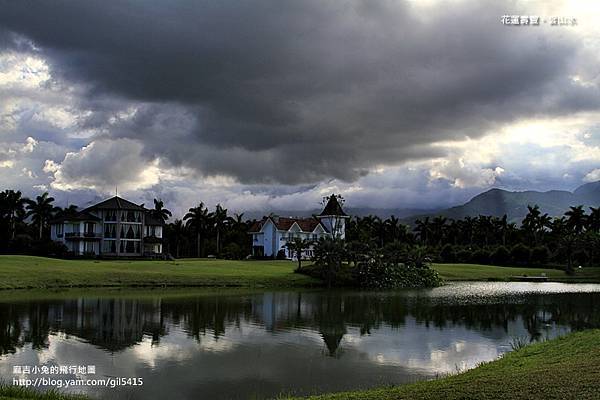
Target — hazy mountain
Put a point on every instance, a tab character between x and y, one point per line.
498	202
353	211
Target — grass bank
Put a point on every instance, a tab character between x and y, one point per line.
14	392
564	368
476	272
19	272
39	272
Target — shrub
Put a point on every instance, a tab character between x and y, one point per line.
481	256
540	255
380	274
464	255
448	254
281	255
520	254
500	256
232	251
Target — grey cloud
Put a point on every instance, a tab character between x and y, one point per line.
300	91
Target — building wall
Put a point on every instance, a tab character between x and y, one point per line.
273	240
120	231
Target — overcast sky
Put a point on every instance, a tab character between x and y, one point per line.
265	105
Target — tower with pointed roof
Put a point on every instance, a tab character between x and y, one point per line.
333	217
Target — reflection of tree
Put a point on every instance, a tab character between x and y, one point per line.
10	331
330	319
115	324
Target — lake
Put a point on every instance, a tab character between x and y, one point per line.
230	344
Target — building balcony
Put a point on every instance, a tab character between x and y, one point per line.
152	239
83	235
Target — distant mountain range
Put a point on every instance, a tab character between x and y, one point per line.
495	202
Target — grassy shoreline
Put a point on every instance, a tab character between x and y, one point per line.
28	272
563	368
9	392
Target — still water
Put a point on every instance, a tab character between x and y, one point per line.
255	345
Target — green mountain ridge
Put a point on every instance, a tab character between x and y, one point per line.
498	202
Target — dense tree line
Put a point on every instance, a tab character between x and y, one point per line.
568	241
25	228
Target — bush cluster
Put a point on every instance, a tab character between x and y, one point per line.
382	274
518	254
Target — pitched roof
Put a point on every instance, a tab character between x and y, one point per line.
332	207
80	216
285	223
117	203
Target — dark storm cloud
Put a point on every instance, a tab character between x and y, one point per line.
299	91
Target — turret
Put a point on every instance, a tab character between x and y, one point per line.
333	217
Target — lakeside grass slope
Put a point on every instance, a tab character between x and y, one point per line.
563	368
477	272
19	272
39	272
9	392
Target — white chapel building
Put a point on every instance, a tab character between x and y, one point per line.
271	234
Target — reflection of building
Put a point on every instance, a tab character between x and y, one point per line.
115	227
271	234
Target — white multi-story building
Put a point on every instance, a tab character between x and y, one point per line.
271	234
115	228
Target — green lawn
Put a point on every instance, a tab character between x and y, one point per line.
475	272
39	272
8	392
564	368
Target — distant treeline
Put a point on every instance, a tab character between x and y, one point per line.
570	240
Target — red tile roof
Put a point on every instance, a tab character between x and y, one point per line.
285	223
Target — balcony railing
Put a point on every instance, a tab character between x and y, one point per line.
87	235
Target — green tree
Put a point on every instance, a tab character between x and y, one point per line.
198	220
159	211
329	253
40	211
423	229
297	246
576	219
178	233
12	208
593	220
220	222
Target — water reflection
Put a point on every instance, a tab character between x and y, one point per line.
262	344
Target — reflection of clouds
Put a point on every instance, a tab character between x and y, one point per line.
417	347
170	349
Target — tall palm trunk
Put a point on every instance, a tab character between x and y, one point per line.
198	244
218	241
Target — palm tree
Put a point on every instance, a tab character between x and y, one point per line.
535	223
423	229
159	211
576	219
179	231
593	220
394	229
41	211
69	211
220	220
12	207
298	246
438	229
198	219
